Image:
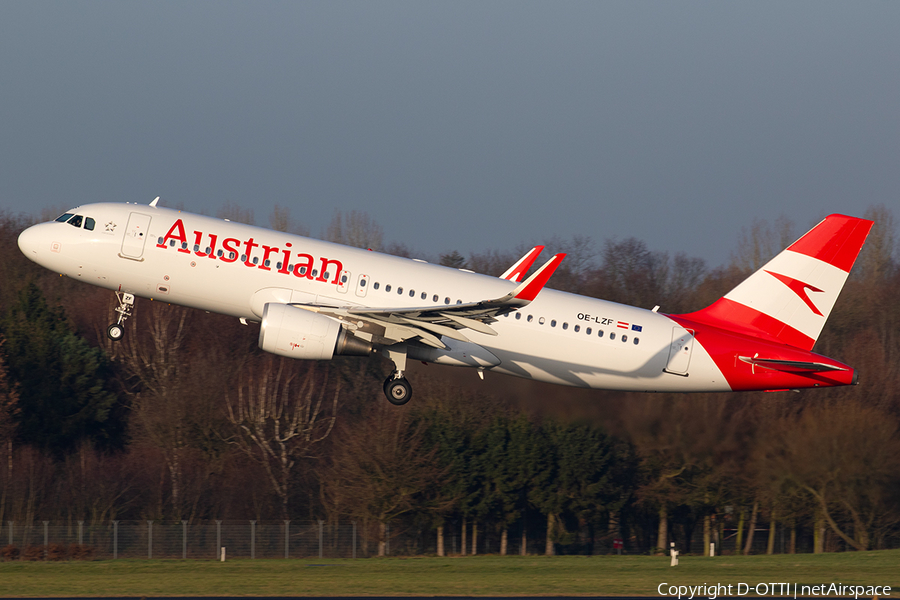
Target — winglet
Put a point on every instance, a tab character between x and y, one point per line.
529	290
153	204
518	270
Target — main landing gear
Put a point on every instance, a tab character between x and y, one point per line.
396	387
116	331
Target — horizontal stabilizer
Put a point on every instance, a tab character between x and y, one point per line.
793	366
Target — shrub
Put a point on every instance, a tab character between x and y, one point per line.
10	552
56	552
33	553
81	552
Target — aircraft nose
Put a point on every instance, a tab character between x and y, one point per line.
34	242
28	242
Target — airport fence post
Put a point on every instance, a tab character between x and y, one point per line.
46	538
11	525
80	533
218	539
287	524
115	540
354	539
149	540
252	539
387	539
320	538
184	540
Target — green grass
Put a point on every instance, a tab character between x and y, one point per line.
475	576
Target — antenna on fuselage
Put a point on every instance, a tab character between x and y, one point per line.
153	204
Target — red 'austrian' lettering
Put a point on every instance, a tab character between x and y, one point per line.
231	248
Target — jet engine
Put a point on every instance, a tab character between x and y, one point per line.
298	333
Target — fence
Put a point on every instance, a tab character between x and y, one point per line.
290	539
201	540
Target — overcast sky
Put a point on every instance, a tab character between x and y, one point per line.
459	125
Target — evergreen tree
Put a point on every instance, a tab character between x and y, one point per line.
62	381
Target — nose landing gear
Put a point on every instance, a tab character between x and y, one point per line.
116	331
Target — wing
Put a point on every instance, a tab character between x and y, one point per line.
518	270
388	326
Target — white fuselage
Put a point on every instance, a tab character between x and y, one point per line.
234	269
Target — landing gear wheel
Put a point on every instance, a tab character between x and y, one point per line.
398	391
115	332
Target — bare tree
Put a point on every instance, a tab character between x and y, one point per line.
281	410
876	260
355	228
280	220
761	242
845	456
382	469
233	212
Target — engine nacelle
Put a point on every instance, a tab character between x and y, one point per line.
297	333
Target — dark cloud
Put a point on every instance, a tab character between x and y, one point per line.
463	125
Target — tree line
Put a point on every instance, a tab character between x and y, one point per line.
186	419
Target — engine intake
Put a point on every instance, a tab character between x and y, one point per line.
297	333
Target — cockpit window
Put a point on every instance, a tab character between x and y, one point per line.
76	221
89	223
64	218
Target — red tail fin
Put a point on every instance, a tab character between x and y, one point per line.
790	298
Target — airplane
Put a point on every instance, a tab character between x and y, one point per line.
315	300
